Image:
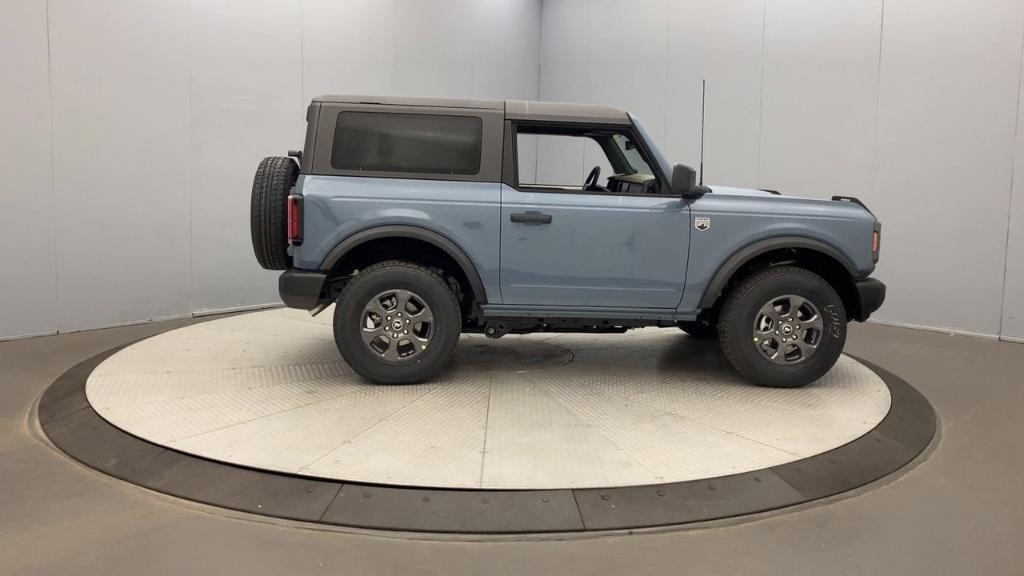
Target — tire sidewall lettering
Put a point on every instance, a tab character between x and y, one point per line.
834	321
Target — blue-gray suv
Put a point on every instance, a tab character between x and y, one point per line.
425	218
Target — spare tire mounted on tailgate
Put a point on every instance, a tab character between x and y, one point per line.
274	180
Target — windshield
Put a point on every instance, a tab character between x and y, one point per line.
659	159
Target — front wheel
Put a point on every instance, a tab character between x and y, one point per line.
397	323
783	327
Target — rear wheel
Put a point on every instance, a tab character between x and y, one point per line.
783	327
397	323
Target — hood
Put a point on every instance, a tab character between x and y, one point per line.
730	191
794	204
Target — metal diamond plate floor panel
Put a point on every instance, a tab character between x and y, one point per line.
269	390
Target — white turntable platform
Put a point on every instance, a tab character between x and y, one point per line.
269	390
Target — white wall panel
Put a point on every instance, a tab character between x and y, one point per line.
349	47
650	58
433	48
818	101
453	48
457	48
719	42
1013	293
627	44
27	276
120	111
911	110
585	58
565	49
506	49
161	111
565	68
245	103
946	120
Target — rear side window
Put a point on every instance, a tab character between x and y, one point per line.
416	143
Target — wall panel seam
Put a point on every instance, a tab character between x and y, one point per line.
302	55
1009	201
53	176
191	163
878	98
760	101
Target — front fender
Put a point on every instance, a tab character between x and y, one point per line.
735	228
714	287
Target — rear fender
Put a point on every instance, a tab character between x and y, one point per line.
416	233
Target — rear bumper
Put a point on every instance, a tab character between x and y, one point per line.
871	294
301	289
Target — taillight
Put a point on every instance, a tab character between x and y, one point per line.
876	241
295	220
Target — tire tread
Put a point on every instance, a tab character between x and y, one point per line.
268	215
731	315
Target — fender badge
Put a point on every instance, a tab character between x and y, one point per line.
702	223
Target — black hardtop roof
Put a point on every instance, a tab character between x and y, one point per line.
514	109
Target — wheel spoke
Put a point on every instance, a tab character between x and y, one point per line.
767	319
807	346
369	335
806	349
795	304
402	301
374	307
392	352
813	323
778	356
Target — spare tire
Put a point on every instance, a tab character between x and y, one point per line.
268	217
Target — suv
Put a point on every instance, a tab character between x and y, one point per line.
425	218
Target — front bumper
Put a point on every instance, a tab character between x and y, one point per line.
870	295
301	289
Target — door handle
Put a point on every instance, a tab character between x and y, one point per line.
531	218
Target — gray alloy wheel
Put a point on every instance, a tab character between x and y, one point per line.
777	298
384	347
397	325
788	329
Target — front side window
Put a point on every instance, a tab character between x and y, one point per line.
413	143
582	159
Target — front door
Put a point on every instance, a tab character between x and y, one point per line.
572	238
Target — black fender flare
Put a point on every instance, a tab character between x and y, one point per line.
416	233
751	251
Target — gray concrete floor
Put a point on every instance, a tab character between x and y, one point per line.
959	511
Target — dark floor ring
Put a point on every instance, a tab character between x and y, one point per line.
74	427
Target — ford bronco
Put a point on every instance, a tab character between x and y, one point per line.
425	218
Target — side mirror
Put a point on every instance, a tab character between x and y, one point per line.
684	182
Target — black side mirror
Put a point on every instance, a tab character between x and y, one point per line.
684	178
684	182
